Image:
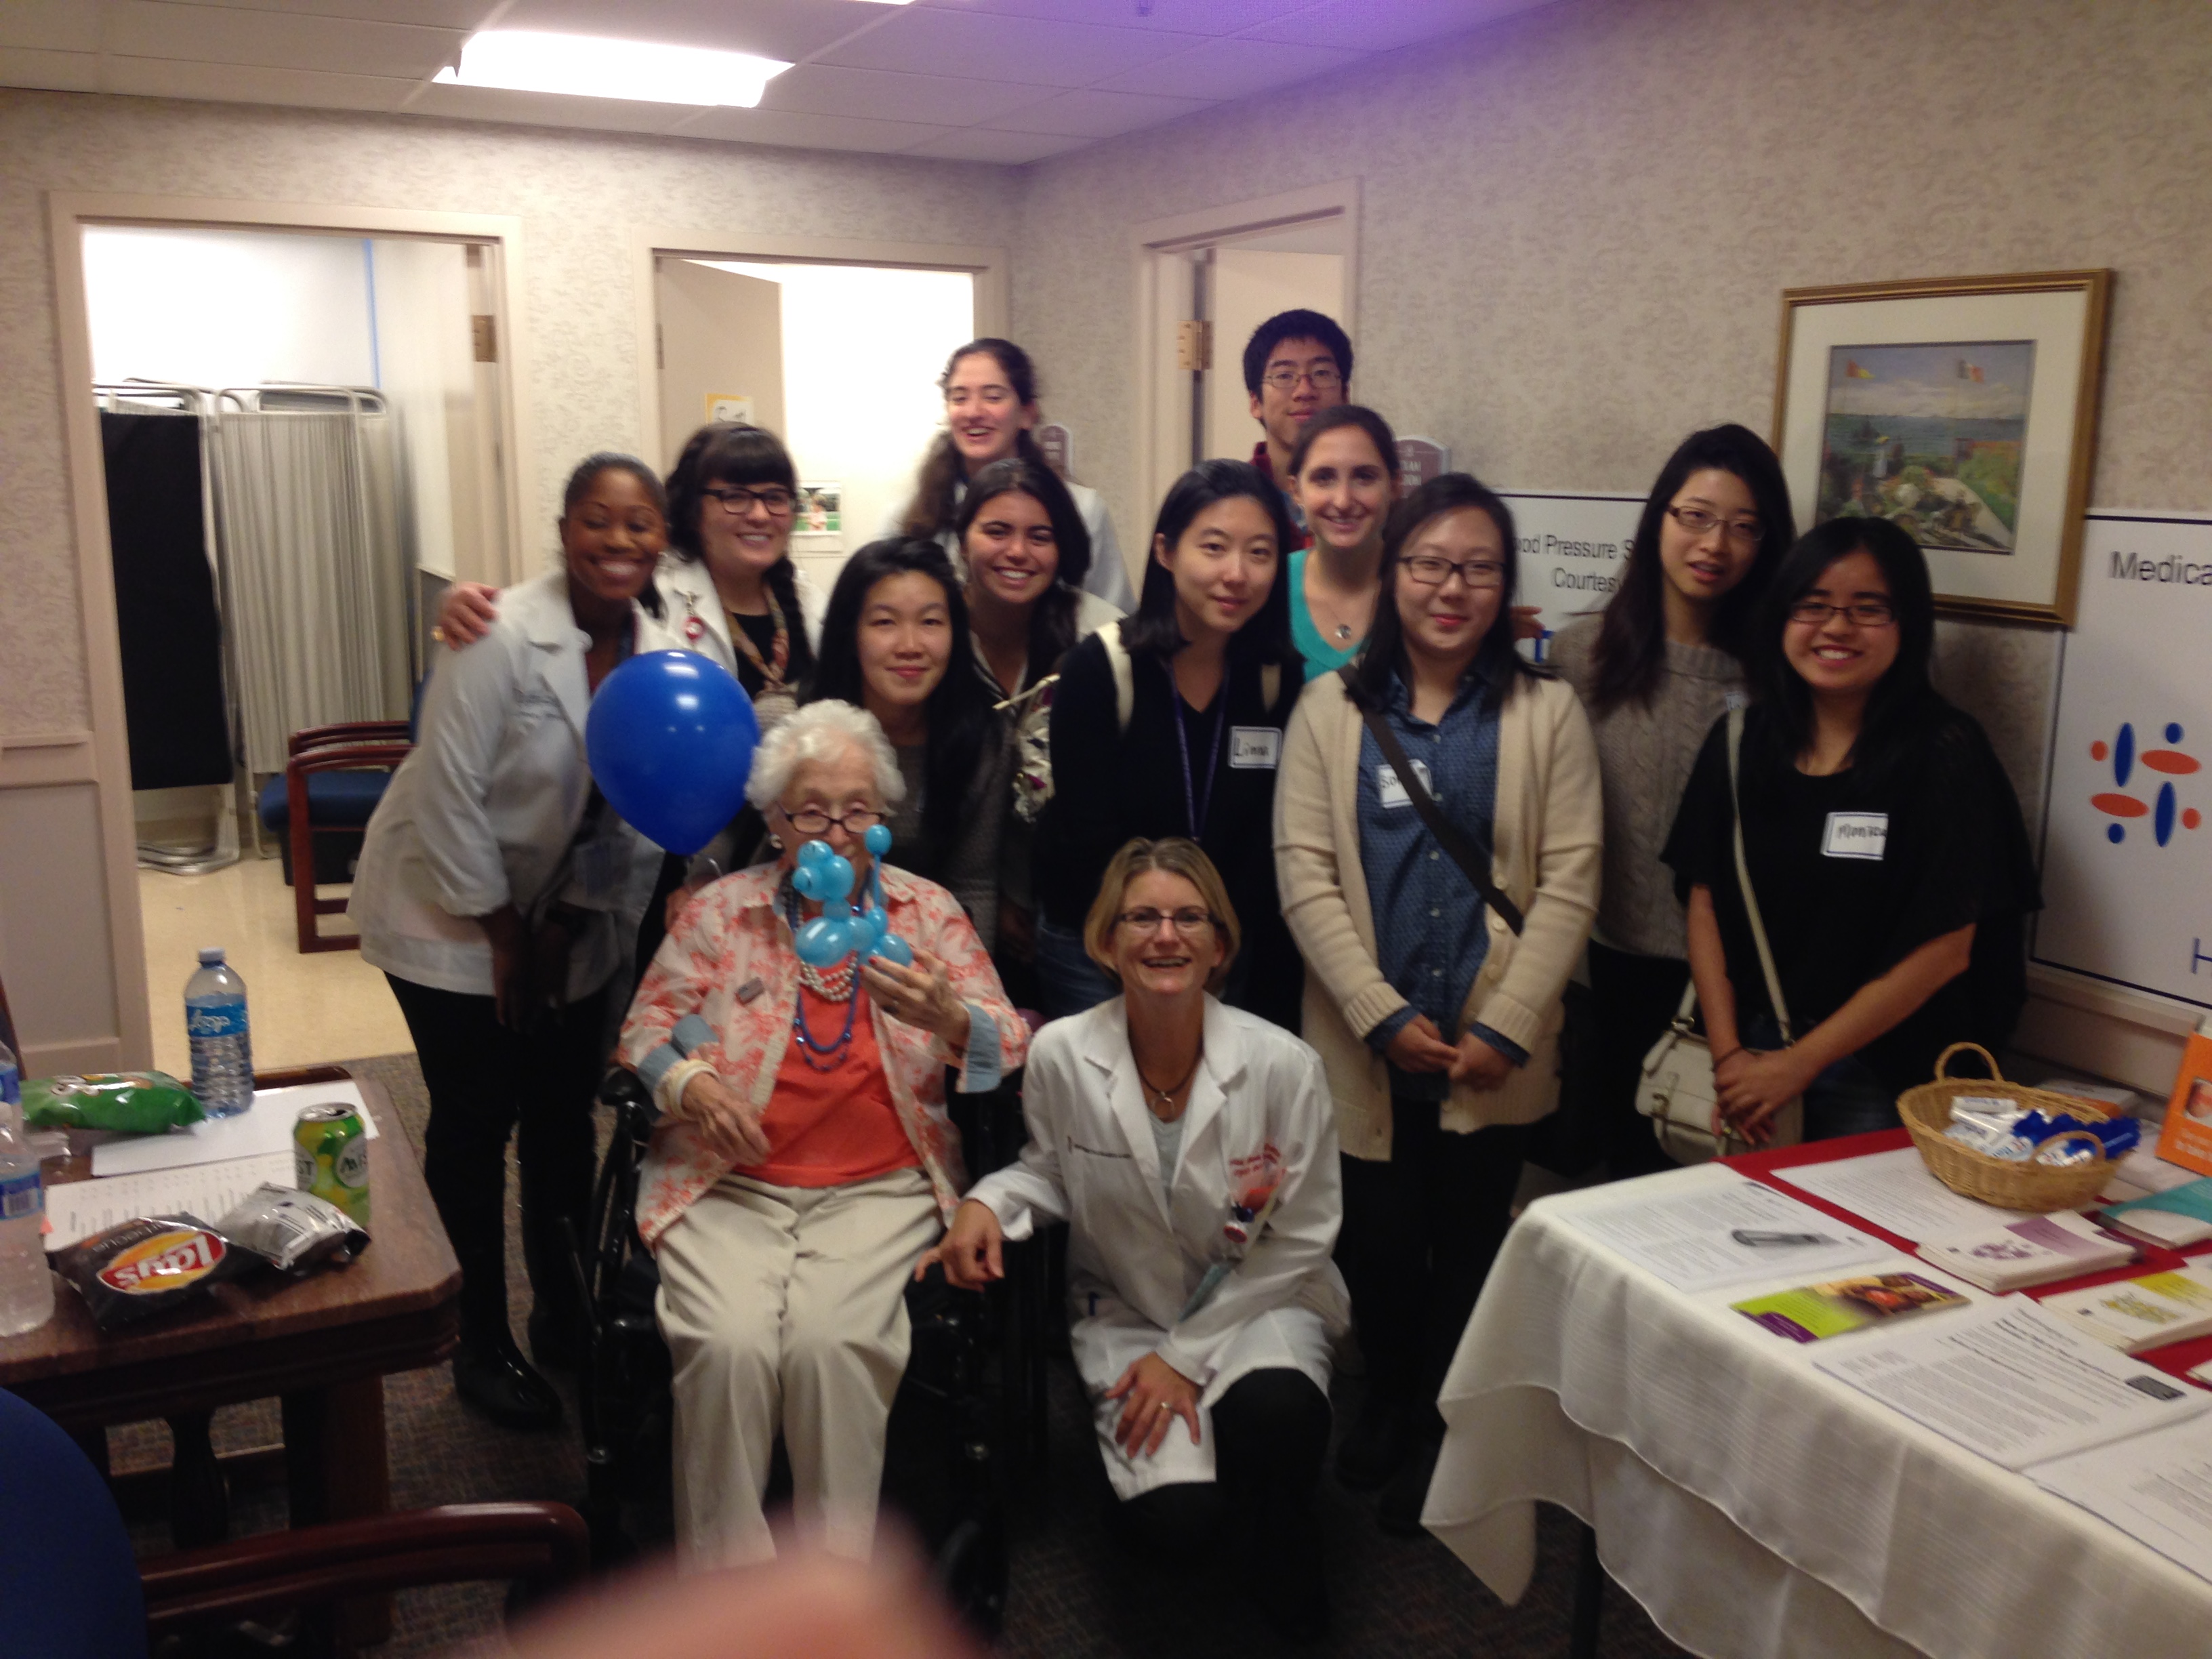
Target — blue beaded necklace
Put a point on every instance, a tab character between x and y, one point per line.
832	1053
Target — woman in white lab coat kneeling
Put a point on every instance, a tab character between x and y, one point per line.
1191	1148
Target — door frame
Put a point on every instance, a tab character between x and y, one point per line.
1162	419
986	264
101	757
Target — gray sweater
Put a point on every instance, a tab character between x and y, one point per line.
1644	753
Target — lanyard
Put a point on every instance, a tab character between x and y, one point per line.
1196	803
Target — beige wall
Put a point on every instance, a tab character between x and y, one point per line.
579	196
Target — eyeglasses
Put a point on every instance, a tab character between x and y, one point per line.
1430	571
1744	532
735	502
1189	920
1867	613
813	821
1322	377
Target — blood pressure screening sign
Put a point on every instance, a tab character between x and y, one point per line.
2127	846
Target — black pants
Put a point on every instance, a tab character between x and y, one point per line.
1424	1227
1633	998
1271	1432
483	1079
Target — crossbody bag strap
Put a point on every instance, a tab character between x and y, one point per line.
1473	858
1743	880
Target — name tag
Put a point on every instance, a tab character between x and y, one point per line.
1393	792
1255	748
1857	836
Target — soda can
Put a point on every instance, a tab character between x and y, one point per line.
331	1157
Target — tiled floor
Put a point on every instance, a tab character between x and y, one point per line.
304	1009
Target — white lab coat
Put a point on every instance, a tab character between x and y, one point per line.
687	590
1109	578
1134	1257
482	812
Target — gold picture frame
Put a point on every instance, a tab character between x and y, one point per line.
1962	408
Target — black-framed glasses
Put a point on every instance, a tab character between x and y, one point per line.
1322	377
1433	570
1867	613
813	821
1744	532
736	502
1187	920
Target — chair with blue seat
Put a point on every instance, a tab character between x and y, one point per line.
333	778
69	1588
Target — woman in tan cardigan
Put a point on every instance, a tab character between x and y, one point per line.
1436	1011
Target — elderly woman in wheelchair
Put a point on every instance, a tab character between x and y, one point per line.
804	1161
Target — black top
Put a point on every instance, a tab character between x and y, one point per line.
761	630
1109	785
1856	871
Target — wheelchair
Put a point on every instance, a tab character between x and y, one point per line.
969	1409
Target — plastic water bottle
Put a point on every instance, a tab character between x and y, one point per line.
222	1052
27	1289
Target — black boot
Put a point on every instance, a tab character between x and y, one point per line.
490	1374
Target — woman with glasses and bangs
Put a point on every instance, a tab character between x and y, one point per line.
1440	914
1884	844
1656	668
1191	1150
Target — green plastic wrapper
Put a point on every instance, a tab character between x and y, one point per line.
138	1103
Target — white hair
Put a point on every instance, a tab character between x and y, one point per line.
819	732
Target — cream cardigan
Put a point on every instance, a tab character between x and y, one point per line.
1546	838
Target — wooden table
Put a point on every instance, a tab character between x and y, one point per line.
322	1345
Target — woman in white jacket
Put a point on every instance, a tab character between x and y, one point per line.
499	893
1191	1148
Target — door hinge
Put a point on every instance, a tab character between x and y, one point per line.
485	331
1193	345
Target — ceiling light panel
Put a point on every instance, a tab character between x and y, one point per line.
584	66
1198	17
791	29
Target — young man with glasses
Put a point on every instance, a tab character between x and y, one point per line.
1296	364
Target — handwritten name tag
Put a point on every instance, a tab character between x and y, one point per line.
1255	748
1857	836
1393	792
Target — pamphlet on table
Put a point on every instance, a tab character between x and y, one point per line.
2135	1314
2177	1217
1894	1191
2012	1253
2156	1488
78	1209
1812	1312
2012	1382
1725	1230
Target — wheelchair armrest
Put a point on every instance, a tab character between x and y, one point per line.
625	1090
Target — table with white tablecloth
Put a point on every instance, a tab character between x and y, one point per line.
1756	1507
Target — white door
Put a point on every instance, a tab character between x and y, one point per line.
721	351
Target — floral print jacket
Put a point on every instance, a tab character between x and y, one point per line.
722	989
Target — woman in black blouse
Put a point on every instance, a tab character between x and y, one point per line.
1884	842
1171	724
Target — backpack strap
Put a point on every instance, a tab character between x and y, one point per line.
1125	675
1271	684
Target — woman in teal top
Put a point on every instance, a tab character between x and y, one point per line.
1343	476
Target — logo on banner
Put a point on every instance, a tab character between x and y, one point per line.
2163	809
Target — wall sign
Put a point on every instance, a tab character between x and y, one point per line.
1420	459
1058	445
2127	849
1573	549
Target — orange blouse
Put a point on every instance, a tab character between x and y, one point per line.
827	1128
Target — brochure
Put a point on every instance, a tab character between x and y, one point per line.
2180	1215
2187	1138
2135	1313
1814	1311
2038	1249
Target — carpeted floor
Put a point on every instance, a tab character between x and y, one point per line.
1074	1595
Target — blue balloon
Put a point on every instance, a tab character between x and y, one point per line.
824	940
892	948
879	838
877	920
833	876
671	738
803	878
813	852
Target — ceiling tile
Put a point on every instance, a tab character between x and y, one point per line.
226	35
789	29
1386	24
49	25
1200	17
824	89
1009	148
923	41
775	126
51	71
1230	69
463	15
249	83
1091	113
548	109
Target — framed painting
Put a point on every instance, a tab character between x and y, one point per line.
1962	409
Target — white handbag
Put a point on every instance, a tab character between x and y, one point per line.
1676	1091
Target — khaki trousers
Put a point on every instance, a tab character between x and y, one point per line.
783	1307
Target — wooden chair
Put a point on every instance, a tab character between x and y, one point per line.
361	749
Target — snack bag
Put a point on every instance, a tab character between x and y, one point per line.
143	1268
138	1103
295	1230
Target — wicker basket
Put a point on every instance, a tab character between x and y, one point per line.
2009	1185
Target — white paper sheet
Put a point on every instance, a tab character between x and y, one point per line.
2156	1488
2013	1383
1894	1191
78	1209
1687	1238
263	1128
